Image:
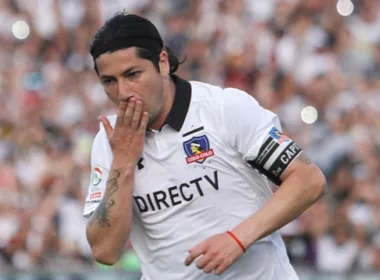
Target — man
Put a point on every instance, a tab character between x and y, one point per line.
182	170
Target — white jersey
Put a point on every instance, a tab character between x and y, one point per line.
195	179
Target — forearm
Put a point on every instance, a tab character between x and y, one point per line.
109	226
295	195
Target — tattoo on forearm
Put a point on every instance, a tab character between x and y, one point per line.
101	214
304	158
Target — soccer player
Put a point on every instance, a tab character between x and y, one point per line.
183	169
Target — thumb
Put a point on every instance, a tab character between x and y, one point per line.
106	124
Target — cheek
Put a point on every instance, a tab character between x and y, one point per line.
151	92
151	89
113	98
157	87
145	107
111	95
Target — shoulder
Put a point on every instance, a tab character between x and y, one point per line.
223	100
204	92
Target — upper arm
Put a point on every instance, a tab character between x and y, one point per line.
256	134
303	167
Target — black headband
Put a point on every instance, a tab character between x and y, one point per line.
134	31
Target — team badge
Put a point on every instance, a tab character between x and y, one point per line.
197	149
278	136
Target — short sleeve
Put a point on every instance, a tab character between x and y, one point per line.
256	134
101	159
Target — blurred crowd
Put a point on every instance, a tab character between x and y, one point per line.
288	54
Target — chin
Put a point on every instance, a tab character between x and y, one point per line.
151	119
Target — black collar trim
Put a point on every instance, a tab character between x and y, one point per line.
181	103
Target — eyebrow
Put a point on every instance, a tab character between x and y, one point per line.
125	72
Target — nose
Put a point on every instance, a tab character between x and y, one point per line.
124	91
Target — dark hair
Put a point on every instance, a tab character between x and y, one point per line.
155	58
119	28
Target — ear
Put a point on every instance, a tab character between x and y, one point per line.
164	63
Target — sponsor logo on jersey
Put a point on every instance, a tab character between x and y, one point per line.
197	149
178	194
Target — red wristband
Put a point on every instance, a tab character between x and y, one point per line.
237	240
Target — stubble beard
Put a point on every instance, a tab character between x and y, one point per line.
152	117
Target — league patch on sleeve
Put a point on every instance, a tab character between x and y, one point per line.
96	184
276	154
97	176
278	136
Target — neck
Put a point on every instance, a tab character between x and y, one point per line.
169	92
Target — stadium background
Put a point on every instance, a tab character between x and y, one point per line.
318	70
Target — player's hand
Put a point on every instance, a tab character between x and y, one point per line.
217	253
128	136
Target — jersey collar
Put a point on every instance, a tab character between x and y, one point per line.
181	103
